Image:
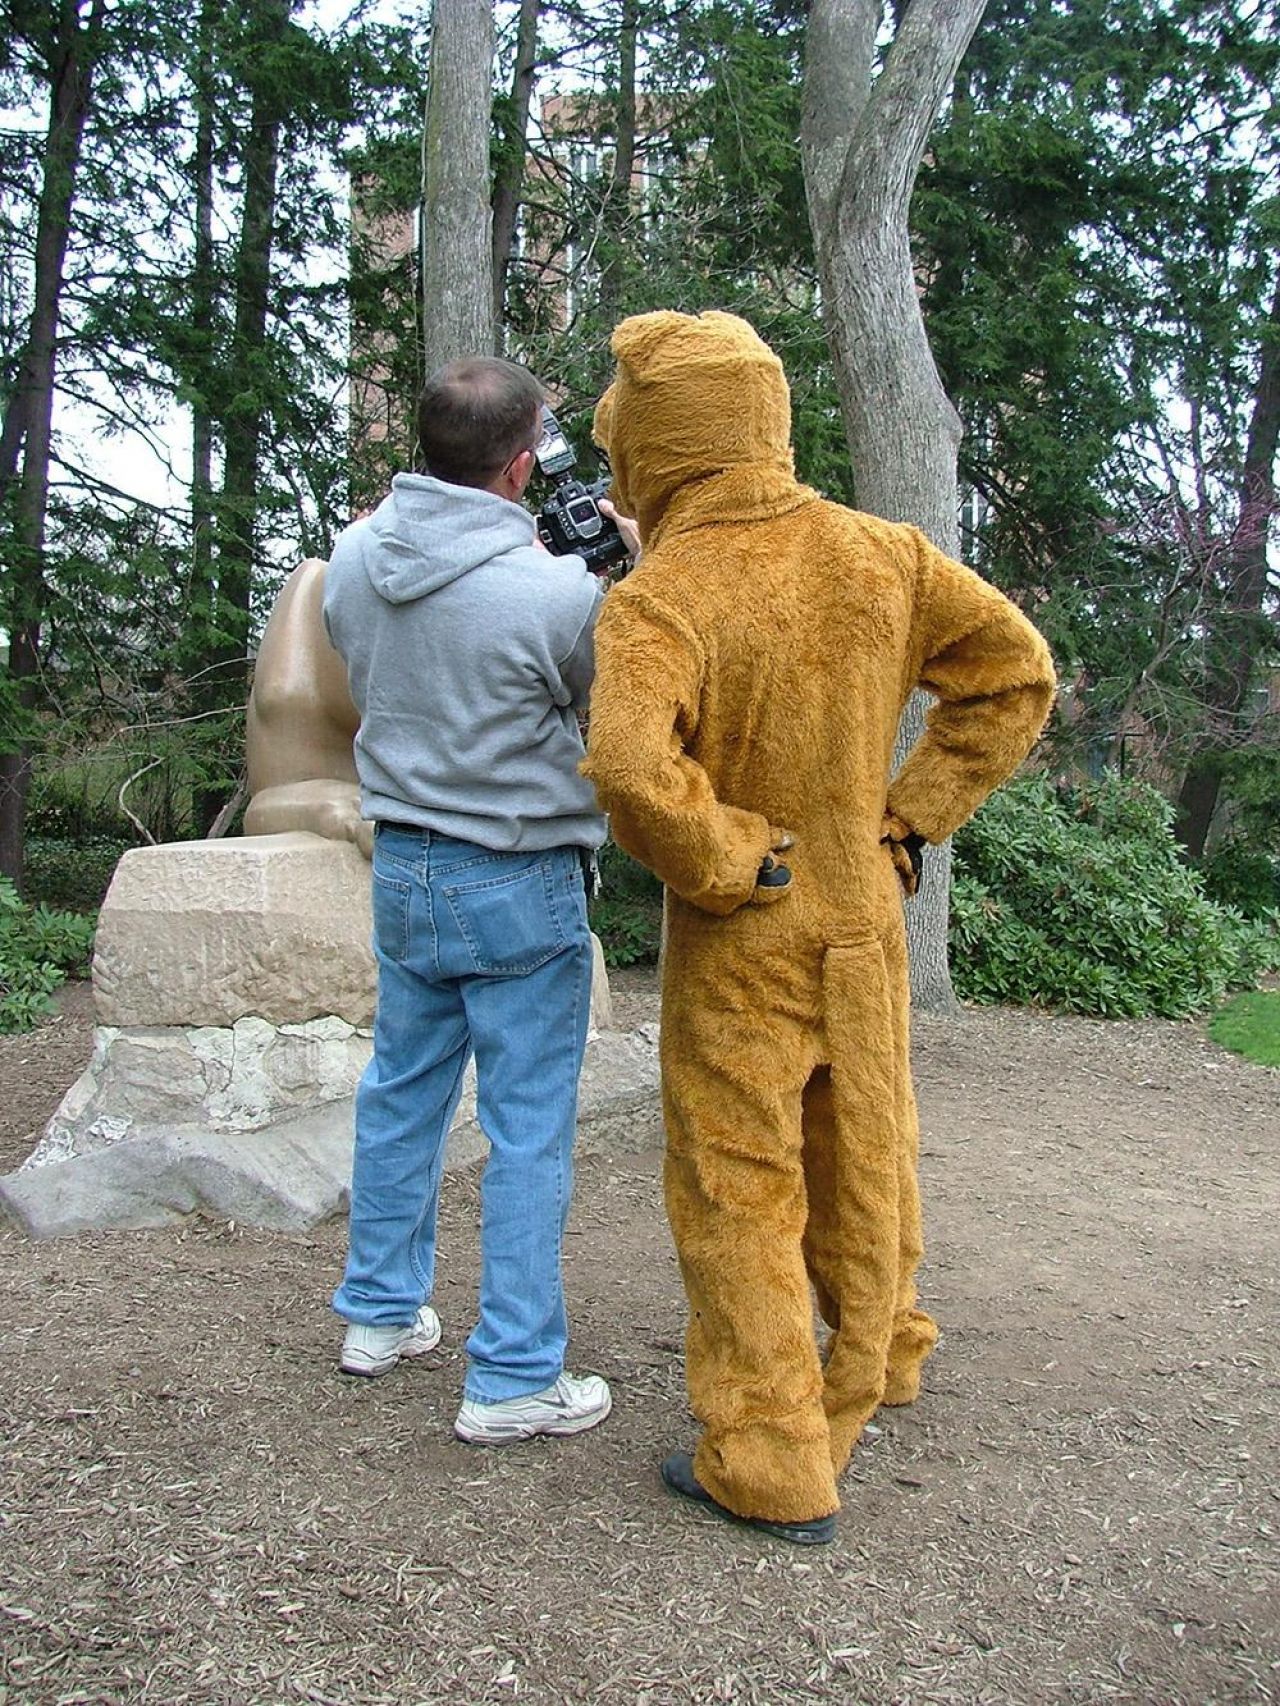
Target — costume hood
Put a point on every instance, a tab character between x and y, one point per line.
698	399
427	533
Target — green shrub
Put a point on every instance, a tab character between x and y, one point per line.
630	931
38	947
70	801
72	873
1240	874
163	772
627	913
1078	900
625	878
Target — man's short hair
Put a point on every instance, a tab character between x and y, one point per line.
475	416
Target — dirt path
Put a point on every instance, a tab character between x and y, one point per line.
1083	1507
37	1067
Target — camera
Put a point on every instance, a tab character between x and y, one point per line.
571	518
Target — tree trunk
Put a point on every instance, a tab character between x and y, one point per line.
199	646
242	425
28	439
202	317
224	677
1240	629
863	138
506	188
457	262
618	206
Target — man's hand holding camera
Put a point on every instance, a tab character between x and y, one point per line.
578	517
626	527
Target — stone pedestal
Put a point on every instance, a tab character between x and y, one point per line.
207	932
234	1078
235	988
200	933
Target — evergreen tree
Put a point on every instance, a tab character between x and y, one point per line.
1096	229
205	277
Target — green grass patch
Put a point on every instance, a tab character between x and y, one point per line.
1250	1025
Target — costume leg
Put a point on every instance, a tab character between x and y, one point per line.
404	1106
852	1158
733	1073
914	1332
529	1029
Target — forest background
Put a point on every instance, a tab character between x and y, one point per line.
1094	236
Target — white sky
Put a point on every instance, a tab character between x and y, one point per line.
156	468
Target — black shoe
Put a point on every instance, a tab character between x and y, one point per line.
677	1472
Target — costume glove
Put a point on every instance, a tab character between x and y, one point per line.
773	876
906	849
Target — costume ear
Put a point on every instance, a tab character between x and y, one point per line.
637	340
602	421
735	336
667	342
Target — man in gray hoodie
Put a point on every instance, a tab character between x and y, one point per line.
468	650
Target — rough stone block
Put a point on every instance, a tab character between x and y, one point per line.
206	933
297	1171
209	932
235	984
236	1078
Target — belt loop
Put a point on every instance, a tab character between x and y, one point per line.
590	872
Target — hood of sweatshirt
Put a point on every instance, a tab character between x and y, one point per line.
697	418
426	533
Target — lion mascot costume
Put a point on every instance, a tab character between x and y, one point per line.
751	674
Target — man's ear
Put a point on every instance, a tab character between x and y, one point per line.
520	472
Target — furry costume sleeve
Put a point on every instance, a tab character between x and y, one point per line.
994	681
662	807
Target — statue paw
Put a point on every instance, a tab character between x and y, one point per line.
330	809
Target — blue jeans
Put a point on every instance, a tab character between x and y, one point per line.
488	952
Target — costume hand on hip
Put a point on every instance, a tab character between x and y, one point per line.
906	849
775	877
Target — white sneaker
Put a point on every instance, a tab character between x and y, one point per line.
374	1350
575	1403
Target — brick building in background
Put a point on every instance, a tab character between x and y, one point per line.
568	198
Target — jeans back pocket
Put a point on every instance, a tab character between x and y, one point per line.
391	916
510	923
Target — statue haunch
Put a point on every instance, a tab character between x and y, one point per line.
301	724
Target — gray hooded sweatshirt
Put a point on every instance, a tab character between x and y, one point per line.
467	649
